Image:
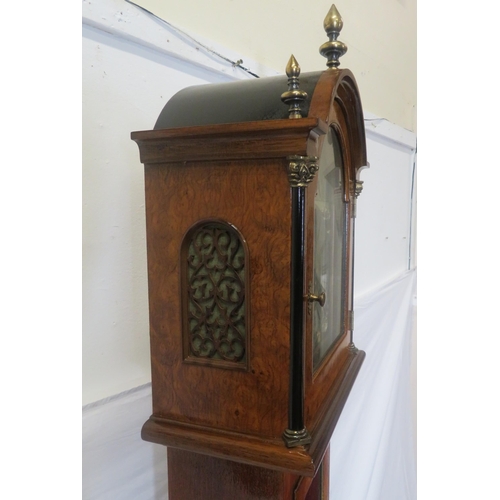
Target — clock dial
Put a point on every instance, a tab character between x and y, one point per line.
329	250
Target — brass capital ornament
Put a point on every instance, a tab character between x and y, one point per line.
358	188
301	169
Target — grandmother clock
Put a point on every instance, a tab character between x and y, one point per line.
250	207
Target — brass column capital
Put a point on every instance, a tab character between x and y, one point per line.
301	170
358	187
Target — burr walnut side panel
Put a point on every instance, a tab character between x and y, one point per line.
255	198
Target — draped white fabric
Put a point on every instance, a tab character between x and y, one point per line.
117	464
372	455
372	448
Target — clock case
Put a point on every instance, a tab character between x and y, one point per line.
224	154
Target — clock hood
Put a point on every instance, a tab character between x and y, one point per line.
233	102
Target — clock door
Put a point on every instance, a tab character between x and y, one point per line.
329	261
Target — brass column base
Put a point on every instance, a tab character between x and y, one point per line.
296	438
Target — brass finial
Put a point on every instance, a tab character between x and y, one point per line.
293	96
333	49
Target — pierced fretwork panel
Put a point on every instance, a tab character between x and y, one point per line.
214	274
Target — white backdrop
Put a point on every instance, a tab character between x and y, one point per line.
131	66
